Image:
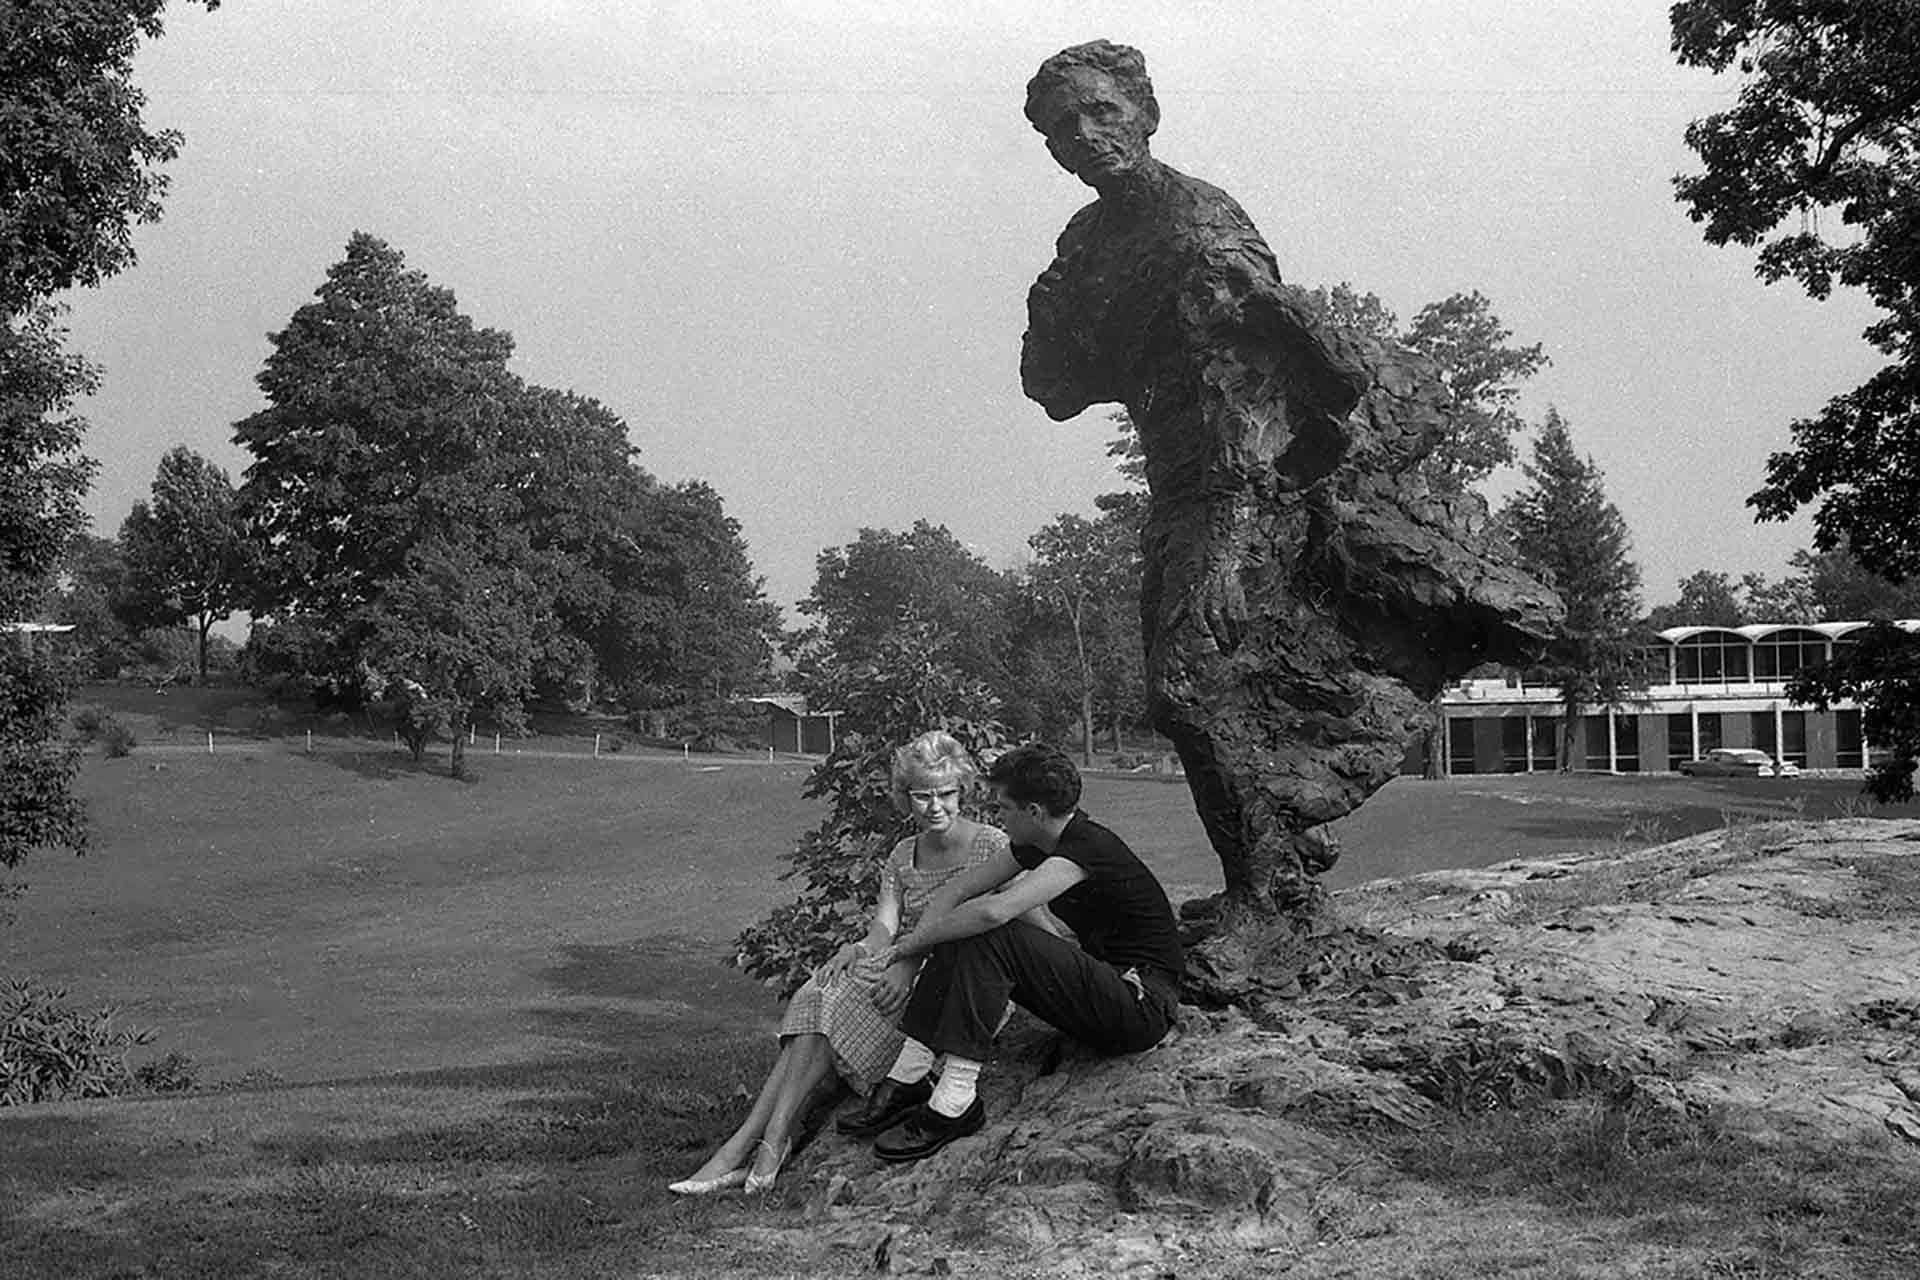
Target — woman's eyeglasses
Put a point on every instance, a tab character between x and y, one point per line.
944	796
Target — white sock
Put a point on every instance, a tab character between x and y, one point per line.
912	1065
954	1093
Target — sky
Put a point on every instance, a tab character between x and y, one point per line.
790	243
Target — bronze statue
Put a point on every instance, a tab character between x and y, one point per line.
1306	595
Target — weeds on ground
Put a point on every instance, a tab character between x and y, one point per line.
1685	1181
571	1175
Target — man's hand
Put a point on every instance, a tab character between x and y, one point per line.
891	987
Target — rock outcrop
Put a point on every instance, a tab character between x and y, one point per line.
1771	973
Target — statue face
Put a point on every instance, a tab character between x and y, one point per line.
1093	130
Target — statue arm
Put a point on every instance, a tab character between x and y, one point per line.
1058	364
1050	358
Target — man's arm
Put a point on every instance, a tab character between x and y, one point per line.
976	913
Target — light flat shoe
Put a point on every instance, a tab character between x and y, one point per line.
707	1186
759	1183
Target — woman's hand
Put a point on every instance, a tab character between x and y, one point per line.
890	988
840	961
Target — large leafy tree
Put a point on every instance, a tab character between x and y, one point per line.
1815	164
1708	598
1085	576
78	169
864	592
702	628
388	412
1566	531
452	632
82	168
186	549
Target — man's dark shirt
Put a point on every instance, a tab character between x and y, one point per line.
1119	913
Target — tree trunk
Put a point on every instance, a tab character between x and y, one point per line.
461	719
206	625
1086	724
1436	764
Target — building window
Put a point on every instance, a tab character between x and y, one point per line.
1460	745
1680	737
1546	743
1710	736
1598	757
1711	657
1783	654
1793	738
1626	744
1513	744
1763	733
1849	744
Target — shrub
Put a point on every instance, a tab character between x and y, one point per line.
93	723
117	740
50	1050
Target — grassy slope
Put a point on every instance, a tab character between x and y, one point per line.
493	1009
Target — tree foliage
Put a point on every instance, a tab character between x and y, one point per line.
82	167
394	424
452	632
865	592
186	549
1708	598
78	168
1816	165
1565	531
1879	668
1085	577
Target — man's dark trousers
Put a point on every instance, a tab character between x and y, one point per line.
963	988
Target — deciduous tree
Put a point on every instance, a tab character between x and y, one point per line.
1816	165
1708	598
864	592
1566	531
78	168
1086	574
186	549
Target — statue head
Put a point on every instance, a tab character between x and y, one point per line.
1095	106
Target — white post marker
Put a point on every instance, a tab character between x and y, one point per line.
496	744
596	746
209	742
686	753
309	742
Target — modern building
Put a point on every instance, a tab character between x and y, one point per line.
1714	687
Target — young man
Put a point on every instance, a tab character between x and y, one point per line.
1115	990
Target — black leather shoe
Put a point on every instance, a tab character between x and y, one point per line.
885	1105
925	1131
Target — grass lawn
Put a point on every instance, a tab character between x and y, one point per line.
451	1029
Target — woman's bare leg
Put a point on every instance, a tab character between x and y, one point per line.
740	1144
808	1077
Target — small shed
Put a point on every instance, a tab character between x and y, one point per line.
792	727
27	633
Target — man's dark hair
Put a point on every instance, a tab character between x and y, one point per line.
1038	774
1122	62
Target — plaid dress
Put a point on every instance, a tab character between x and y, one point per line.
865	1041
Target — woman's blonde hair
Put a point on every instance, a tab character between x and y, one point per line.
934	756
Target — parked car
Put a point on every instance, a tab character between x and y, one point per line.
1736	762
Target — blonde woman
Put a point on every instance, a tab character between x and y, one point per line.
834	1024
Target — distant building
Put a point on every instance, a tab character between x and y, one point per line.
27	634
1722	687
794	729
